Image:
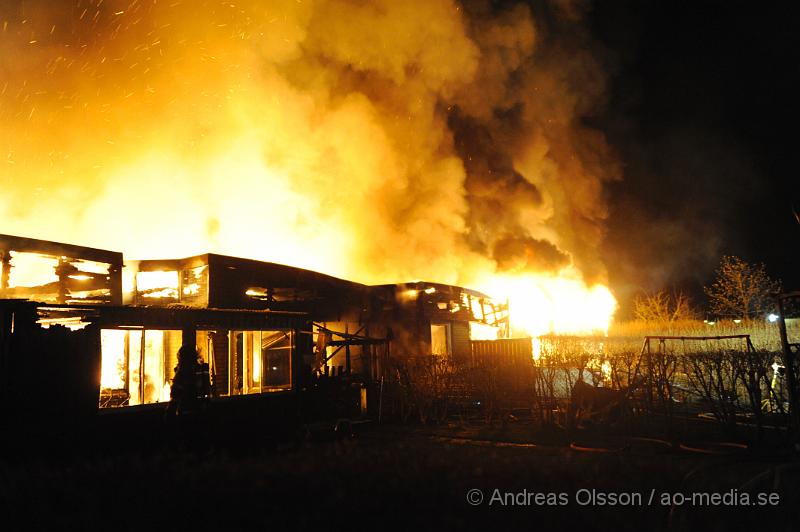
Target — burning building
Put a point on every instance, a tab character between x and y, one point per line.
262	330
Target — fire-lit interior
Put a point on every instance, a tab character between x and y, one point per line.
55	279
57	273
262	361
137	365
158	285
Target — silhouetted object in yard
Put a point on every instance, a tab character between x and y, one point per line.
603	405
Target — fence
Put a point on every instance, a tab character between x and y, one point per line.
725	376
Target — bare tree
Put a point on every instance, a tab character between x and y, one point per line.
741	289
663	307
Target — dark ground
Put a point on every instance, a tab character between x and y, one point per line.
397	477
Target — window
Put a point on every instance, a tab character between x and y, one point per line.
259	361
194	286
137	366
481	331
276	349
206	349
52	279
440	340
152	285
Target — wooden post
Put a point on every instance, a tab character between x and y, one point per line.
791	381
141	366
62	271
189	337
5	262
649	375
296	358
347	351
127	348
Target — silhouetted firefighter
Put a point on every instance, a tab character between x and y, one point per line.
190	387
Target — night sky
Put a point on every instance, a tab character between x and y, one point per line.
702	111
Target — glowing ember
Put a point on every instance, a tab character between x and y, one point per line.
191	289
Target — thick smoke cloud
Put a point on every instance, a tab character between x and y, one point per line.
380	141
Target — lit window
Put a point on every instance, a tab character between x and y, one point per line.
260	361
157	285
276	350
481	331
137	366
440	344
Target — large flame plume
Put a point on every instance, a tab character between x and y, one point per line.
378	141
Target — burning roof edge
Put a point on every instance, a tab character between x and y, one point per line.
425	285
58	249
233	262
123	316
116	259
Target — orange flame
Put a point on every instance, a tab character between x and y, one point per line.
310	134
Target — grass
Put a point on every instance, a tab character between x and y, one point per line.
764	335
394	477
